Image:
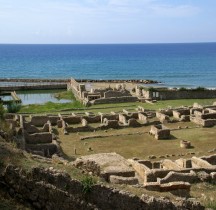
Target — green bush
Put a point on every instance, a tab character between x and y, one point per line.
2	111
199	89
13	107
87	183
152	89
182	89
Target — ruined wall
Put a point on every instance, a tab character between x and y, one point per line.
115	93
38	138
72	119
39	120
109	117
92	119
51	189
175	94
115	100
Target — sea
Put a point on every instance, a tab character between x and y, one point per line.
174	65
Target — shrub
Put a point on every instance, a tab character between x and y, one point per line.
2	111
182	89
13	107
199	89
87	183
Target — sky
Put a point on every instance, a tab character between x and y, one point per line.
107	21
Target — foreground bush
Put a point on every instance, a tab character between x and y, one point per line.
2	111
13	107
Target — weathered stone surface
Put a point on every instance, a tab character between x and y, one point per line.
175	176
213	177
105	164
203	176
123	180
174	186
160	132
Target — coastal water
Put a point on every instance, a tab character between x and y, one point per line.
37	97
173	64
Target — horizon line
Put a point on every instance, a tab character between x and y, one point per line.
138	43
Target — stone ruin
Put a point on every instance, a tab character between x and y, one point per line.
182	114
87	122
167	175
185	144
160	132
36	135
203	115
101	96
110	166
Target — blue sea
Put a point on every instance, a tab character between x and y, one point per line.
188	65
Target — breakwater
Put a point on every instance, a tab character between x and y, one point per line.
31	84
7	84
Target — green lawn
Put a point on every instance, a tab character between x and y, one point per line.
106	108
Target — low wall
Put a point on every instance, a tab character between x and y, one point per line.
115	93
115	100
38	138
72	119
47	149
176	94
39	120
93	119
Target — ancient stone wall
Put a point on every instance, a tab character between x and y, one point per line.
115	93
133	123
38	138
162	117
109	124
122	99
109	116
176	94
72	119
160	132
92	119
51	189
39	120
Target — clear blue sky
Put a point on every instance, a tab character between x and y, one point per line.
107	21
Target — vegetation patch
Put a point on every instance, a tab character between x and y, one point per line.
50	107
87	183
65	95
13	107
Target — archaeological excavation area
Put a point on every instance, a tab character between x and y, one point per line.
165	150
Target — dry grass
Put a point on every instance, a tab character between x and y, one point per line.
140	145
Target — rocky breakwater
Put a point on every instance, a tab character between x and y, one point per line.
118	81
53	189
33	80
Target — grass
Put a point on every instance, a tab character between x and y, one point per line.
65	95
140	145
49	107
106	108
205	193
